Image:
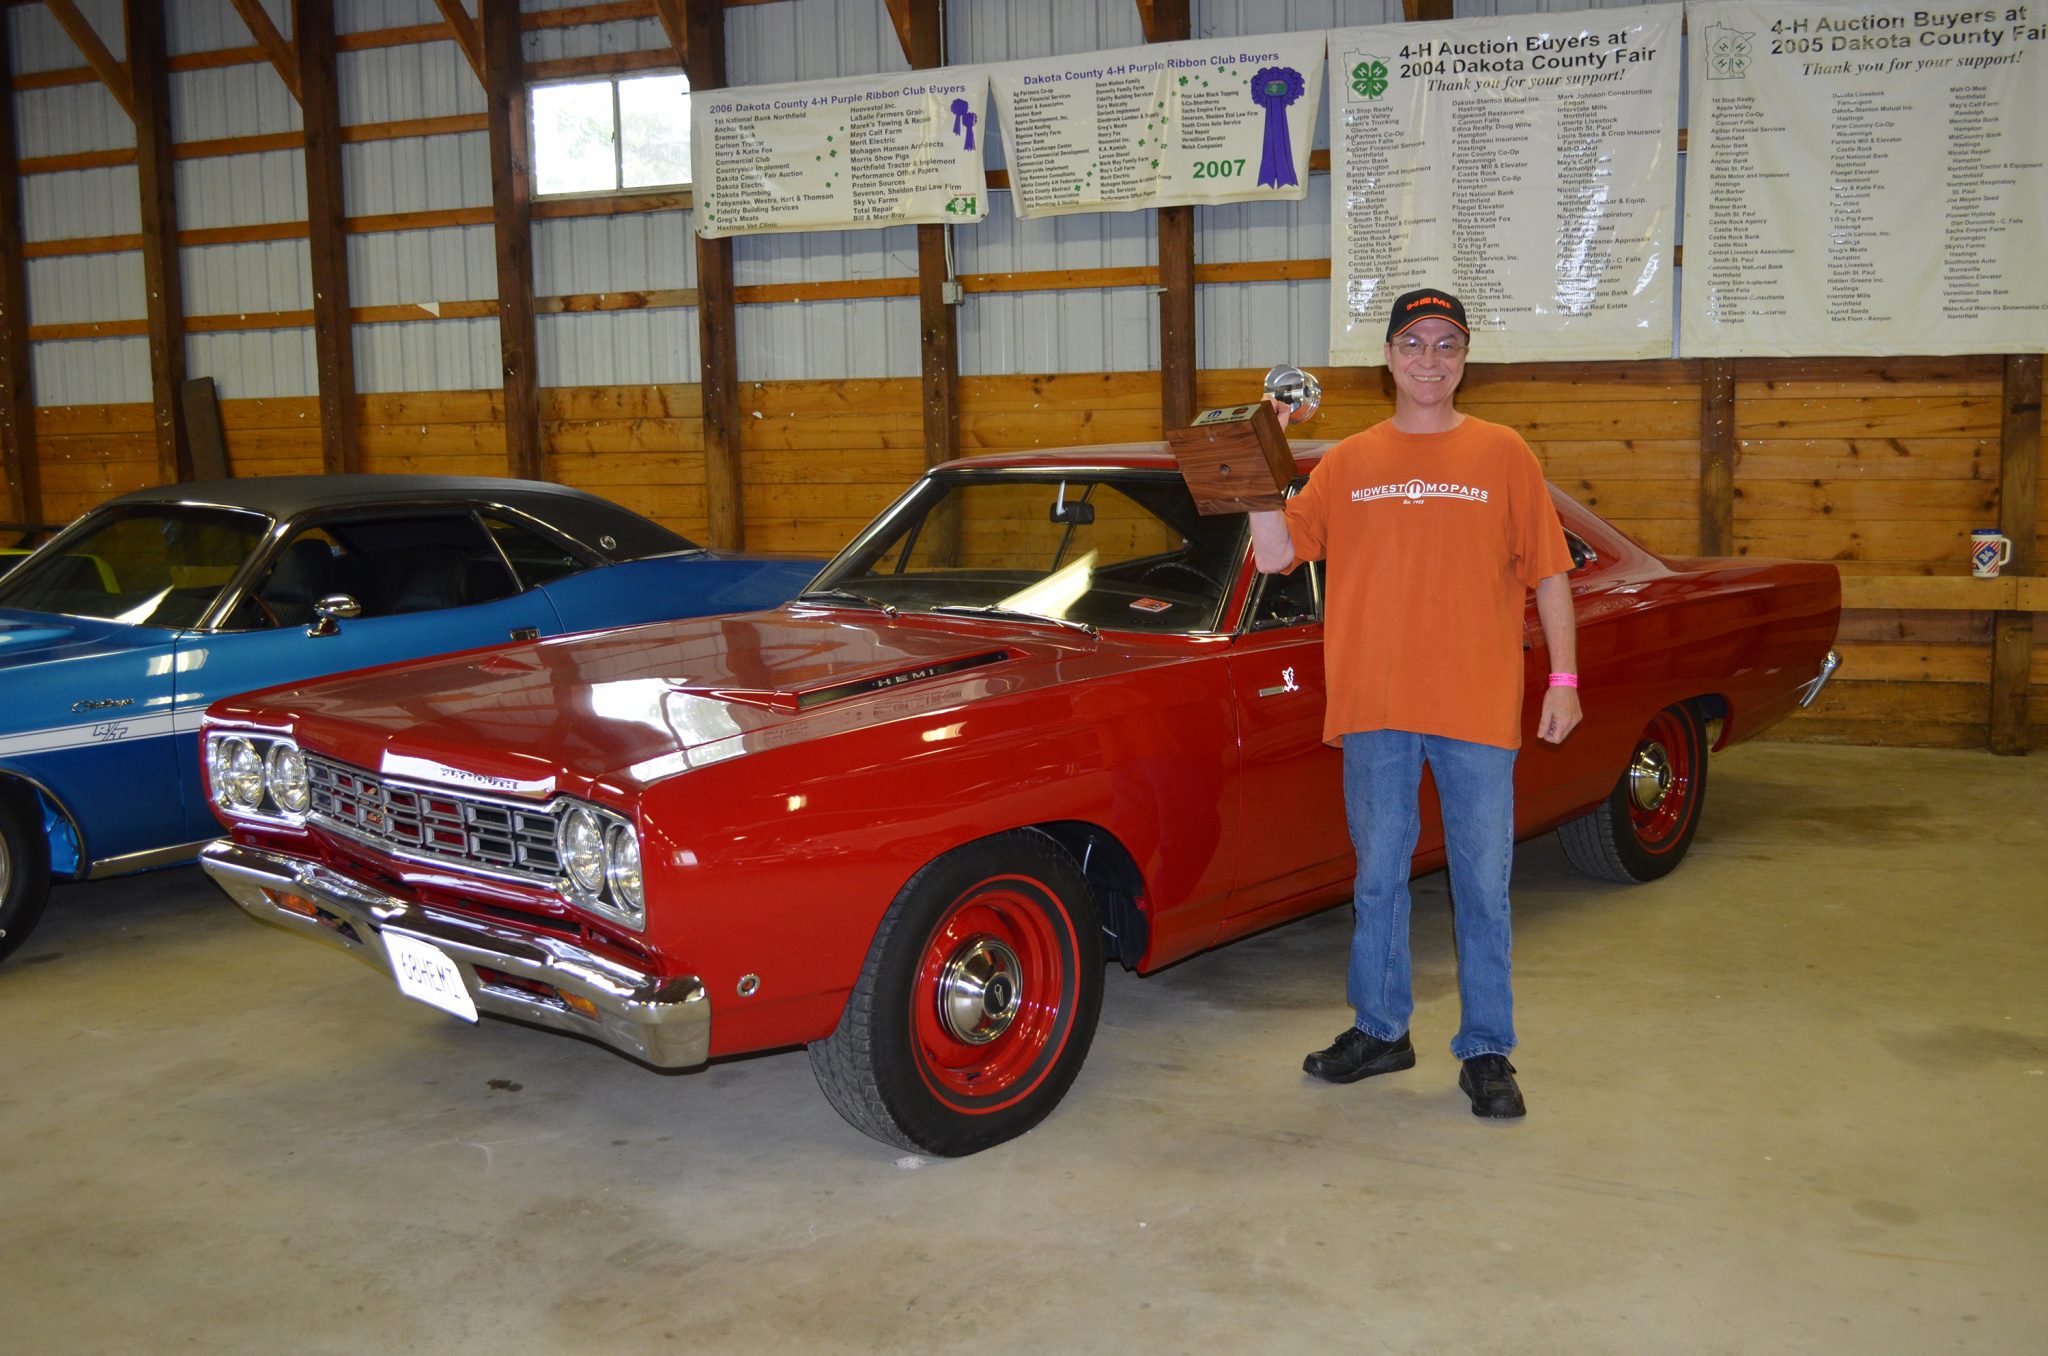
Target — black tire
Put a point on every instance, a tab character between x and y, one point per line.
1643	830
24	870
977	1002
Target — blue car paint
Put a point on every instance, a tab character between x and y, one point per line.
102	718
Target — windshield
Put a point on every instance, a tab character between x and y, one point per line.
156	565
1119	551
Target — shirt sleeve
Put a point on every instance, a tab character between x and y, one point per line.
1308	515
1539	546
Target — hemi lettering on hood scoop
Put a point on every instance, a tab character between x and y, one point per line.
794	699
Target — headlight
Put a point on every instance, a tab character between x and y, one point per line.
580	842
622	869
285	773
241	773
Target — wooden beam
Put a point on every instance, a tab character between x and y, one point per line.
1419	11
162	281
327	235
512	200
1169	21
1717	457
19	462
2012	634
274	46
463	29
670	12
920	25
718	349
112	74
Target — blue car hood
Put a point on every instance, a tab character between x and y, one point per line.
44	637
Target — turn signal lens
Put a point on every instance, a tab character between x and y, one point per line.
580	841
285	774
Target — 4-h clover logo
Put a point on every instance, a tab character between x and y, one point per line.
1368	77
1727	53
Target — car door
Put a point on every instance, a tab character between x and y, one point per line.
428	581
1294	845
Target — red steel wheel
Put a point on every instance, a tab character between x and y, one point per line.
1643	829
977	1003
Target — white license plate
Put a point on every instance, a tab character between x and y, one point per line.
425	972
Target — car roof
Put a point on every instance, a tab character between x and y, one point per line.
1109	456
582	515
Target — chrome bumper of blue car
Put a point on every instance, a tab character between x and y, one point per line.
1811	689
665	1022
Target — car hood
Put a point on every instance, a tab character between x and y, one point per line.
638	704
40	637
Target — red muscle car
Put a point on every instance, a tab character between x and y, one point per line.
1041	713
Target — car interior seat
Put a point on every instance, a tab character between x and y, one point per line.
305	573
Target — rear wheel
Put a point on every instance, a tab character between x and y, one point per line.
24	871
976	1004
1648	821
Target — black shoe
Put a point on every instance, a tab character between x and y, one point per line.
1489	1080
1355	1055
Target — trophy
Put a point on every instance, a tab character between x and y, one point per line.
1236	459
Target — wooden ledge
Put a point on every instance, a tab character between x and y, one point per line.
1945	593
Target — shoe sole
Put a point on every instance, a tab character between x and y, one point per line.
1392	1062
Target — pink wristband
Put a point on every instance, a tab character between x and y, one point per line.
1564	680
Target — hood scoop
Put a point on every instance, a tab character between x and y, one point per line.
795	699
882	682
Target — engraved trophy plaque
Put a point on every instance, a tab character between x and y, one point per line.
1236	459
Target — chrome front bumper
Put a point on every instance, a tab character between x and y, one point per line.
665	1022
1811	688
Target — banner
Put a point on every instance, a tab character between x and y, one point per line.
1161	126
1866	179
837	154
1528	164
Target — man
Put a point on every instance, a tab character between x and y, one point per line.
1434	525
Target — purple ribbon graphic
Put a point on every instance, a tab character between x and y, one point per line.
963	119
1273	89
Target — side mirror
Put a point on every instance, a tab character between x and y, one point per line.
332	610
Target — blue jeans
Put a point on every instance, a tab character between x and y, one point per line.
1476	788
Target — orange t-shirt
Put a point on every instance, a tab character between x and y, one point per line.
1433	541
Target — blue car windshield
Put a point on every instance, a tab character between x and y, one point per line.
147	565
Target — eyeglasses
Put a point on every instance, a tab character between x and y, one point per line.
1414	345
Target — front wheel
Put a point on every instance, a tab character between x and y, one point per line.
24	871
976	1004
1647	822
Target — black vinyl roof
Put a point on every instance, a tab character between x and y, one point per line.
577	514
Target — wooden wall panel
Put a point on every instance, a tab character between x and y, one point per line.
1883	467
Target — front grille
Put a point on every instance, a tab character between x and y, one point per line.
498	837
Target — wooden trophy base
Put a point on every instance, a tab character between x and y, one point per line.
1235	459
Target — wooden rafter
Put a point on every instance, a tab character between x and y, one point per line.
463	28
1418	11
1148	18
1170	21
717	348
112	73
280	52
670	12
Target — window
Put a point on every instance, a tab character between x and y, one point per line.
600	136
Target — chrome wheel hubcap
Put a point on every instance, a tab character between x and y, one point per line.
980	991
1649	776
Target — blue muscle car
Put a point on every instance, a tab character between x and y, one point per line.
116	635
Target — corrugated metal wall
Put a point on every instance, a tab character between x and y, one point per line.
1082	330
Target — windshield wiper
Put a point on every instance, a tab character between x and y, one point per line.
1012	614
836	595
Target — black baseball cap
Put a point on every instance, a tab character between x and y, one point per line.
1421	304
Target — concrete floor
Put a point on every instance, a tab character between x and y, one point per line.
1789	1100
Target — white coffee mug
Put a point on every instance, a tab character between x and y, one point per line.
1988	551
